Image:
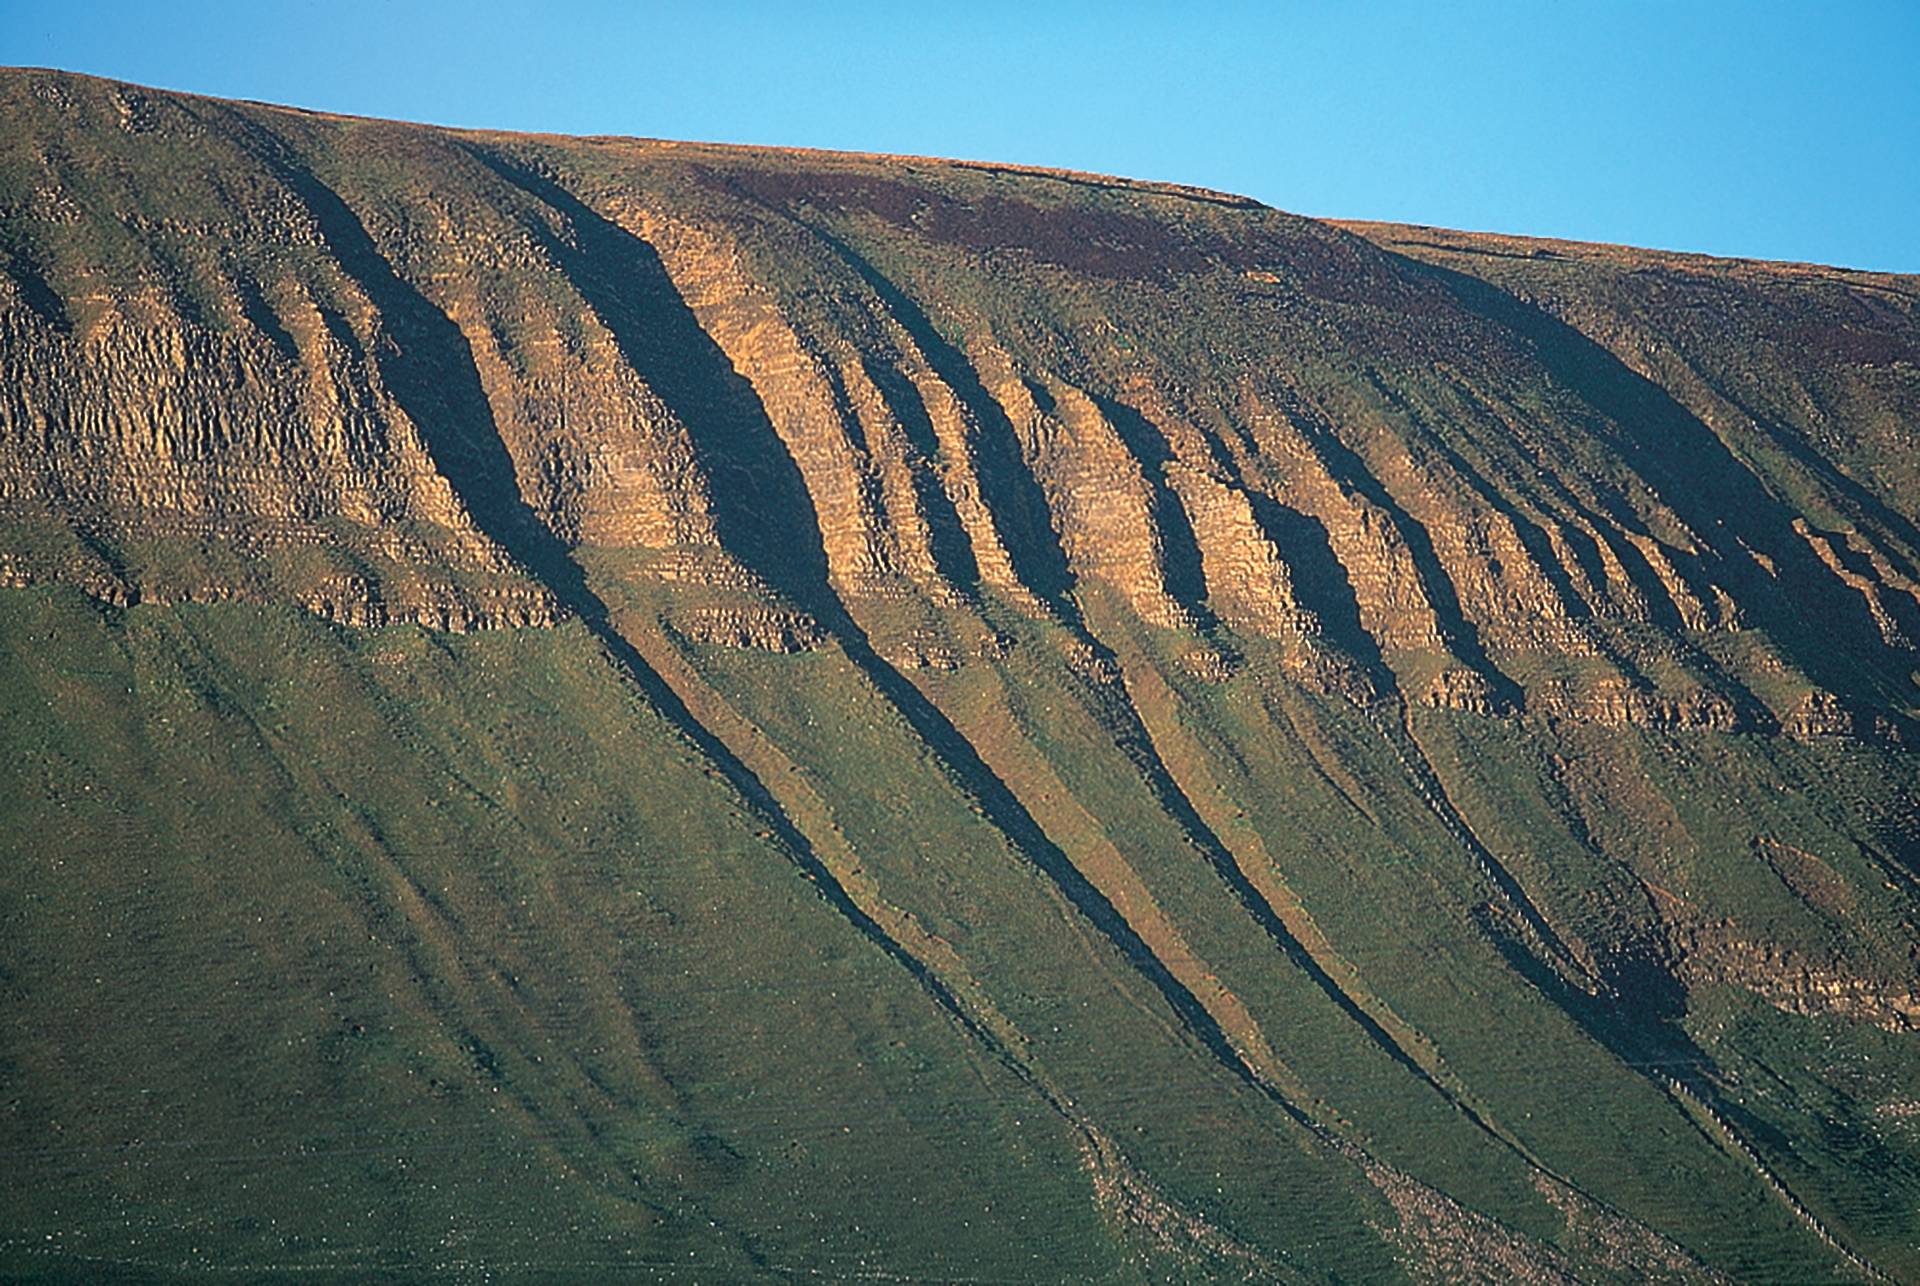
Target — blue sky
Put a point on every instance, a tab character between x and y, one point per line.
1765	128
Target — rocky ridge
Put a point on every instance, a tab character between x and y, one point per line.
924	383
1324	659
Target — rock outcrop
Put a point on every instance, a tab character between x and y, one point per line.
1349	746
806	376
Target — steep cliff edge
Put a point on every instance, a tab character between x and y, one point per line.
1165	676
1607	485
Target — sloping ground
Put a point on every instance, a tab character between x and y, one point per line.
576	704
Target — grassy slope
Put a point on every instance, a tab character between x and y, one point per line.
477	899
341	950
338	949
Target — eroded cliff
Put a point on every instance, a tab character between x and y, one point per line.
1441	700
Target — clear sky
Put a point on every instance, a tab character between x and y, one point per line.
1765	128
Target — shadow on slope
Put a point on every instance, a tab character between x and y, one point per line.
704	385
1345	466
1179	547
1012	496
431	373
1722	501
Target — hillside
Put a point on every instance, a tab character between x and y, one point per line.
592	704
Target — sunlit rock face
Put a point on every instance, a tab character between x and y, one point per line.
1270	747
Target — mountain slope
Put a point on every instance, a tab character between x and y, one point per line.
595	702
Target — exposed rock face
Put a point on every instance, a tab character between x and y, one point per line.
1610	701
1801	988
768	630
1144	638
786	365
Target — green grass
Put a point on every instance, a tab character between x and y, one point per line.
338	949
591	949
